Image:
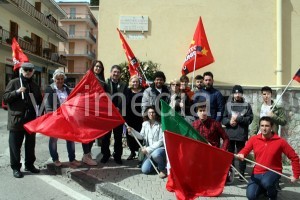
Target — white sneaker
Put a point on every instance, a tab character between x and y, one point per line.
76	163
87	159
57	163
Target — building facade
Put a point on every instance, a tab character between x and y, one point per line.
81	48
35	26
254	43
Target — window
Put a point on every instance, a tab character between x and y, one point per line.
71	30
72	13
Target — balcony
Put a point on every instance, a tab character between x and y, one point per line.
34	52
19	7
89	18
79	52
87	35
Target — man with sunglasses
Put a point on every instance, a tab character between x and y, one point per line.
22	109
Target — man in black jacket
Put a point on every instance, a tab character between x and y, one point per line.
237	117
117	89
23	101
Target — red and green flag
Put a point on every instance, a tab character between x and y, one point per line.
297	76
198	52
196	168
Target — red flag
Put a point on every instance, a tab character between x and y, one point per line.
297	76
199	47
197	169
87	114
17	54
133	64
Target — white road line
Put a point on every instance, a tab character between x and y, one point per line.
63	188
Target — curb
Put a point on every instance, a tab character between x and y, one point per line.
91	183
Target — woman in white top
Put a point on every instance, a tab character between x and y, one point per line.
154	149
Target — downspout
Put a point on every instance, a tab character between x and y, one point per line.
279	42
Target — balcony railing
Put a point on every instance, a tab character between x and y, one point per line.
30	10
77	16
37	50
82	34
81	52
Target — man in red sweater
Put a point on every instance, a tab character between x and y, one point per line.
268	148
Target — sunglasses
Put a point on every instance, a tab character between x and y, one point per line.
28	69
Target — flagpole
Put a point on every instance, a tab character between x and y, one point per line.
148	156
143	73
231	164
282	94
194	70
21	83
264	167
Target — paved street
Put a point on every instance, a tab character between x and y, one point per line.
109	180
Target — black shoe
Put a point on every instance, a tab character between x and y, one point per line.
32	169
104	159
119	161
131	156
17	174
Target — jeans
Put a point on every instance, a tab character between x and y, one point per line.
15	141
239	145
53	149
158	156
261	183
87	148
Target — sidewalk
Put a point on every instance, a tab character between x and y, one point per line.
126	181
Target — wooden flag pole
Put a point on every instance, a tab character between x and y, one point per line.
281	94
194	70
21	83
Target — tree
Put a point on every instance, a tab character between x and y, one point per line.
149	68
94	3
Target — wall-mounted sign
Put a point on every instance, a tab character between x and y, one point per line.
134	23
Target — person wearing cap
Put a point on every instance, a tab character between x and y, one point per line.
155	92
22	109
237	117
57	94
265	109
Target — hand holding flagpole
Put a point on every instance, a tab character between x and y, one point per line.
148	156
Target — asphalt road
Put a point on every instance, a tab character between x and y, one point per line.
44	186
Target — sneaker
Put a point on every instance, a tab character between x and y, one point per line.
87	159
105	159
162	175
118	161
230	177
32	169
17	173
76	163
57	163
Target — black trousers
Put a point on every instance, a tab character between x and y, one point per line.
118	148
15	143
238	145
87	147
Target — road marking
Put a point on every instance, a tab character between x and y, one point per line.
63	188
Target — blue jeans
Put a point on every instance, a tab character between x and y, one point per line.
261	183
53	149
158	156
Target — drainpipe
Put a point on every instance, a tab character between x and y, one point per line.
279	43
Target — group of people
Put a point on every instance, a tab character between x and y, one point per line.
203	107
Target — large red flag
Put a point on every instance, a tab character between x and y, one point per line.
87	114
133	64
199	47
197	169
17	54
297	76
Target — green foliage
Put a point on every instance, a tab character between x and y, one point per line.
94	3
148	67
